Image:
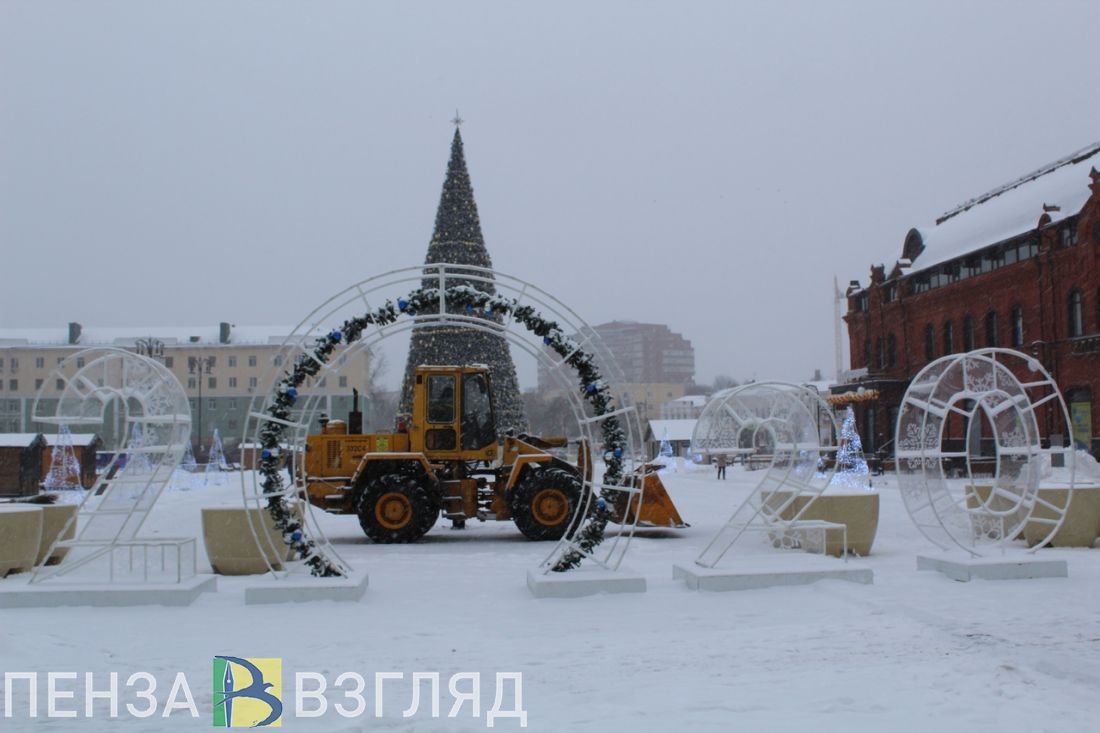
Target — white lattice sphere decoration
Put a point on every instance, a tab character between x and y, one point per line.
973	441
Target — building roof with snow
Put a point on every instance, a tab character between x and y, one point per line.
18	440
212	335
670	429
1048	195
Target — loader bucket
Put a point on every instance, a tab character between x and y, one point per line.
657	509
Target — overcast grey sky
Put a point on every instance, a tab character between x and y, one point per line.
709	165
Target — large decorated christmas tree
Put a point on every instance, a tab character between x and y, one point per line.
457	239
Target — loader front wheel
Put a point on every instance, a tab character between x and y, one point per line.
544	503
396	508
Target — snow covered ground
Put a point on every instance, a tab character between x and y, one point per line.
912	652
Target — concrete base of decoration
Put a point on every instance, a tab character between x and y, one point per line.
303	588
767	572
857	510
19	593
20	535
965	569
1080	528
584	581
231	545
55	518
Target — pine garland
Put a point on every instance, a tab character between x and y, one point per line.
474	302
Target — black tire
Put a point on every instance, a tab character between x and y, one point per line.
544	502
396	507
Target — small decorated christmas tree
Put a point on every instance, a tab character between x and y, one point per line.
137	461
215	464
64	473
851	466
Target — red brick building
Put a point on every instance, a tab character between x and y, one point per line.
1017	267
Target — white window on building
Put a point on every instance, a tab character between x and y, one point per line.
251	381
40	362
343	381
252	361
232	361
232	381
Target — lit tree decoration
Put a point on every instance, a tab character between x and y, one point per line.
215	464
64	473
851	466
137	461
183	477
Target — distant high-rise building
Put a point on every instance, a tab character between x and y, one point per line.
647	353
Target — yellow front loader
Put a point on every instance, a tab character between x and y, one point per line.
446	460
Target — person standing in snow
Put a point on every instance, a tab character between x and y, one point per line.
721	466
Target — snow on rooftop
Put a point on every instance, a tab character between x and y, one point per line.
1011	209
17	440
78	439
672	429
128	335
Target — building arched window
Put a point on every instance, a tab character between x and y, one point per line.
1017	325
929	342
891	351
948	338
968	333
1076	313
991	328
880	358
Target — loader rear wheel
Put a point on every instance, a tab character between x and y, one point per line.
544	503
396	508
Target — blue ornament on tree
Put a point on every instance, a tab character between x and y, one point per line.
335	337
601	504
296	536
265	454
618	452
292	393
402	304
590	387
547	340
469	308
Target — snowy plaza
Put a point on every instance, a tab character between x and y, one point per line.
597	367
911	652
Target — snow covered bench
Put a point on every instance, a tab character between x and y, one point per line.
858	511
55	517
231	545
1081	526
20	535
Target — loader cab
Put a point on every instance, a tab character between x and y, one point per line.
453	413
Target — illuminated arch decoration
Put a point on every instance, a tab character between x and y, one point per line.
528	317
137	395
990	409
795	428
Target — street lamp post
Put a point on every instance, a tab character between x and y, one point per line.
200	366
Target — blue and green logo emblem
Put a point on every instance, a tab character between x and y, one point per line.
248	693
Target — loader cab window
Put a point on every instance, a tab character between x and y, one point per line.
441	398
478	429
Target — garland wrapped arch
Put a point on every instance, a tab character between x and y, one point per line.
593	388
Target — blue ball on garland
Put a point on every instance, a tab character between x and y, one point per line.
469	308
296	536
335	337
265	454
601	504
547	340
292	393
618	452
402	304
590	387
